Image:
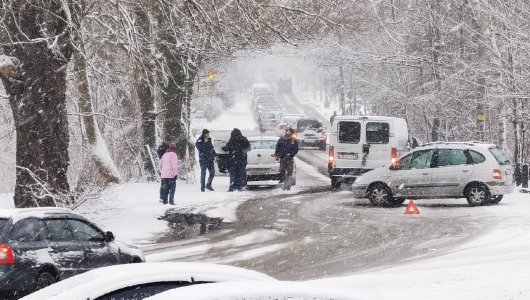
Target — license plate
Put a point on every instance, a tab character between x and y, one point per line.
352	156
258	171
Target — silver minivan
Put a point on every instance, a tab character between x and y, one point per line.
482	173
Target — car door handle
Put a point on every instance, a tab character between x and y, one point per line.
465	171
424	173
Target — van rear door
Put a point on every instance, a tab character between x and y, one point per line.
348	149
379	141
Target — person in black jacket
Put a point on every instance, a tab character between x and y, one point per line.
286	149
237	148
207	157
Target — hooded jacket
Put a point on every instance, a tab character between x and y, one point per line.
237	148
286	147
169	164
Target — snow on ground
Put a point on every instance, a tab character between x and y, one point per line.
496	265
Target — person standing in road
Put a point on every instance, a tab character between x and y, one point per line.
169	171
207	158
286	149
237	148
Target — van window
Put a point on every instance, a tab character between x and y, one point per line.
349	132
500	156
377	133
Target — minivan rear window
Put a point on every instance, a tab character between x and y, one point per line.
2	224
349	132
377	133
501	158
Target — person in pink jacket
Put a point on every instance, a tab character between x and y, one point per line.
169	171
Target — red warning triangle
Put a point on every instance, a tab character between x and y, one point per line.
412	209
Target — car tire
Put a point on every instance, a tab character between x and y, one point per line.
335	183
381	195
496	199
44	279
136	260
477	195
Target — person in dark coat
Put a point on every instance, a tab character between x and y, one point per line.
237	148
207	156
162	148
286	149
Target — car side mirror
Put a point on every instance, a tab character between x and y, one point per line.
394	166
109	236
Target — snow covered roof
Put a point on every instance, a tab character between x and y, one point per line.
379	118
98	282
20	213
456	144
265	137
280	290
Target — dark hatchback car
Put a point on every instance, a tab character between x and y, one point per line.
40	246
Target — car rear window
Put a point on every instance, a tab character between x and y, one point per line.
2	224
263	144
308	123
377	133
477	157
501	158
349	132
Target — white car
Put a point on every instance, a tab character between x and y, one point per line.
479	172
139	281
261	165
287	120
279	290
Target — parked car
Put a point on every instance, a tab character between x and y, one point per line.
140	281
222	157
310	132
279	290
479	172
359	144
40	246
261	165
269	119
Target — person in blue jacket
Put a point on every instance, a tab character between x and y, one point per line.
207	156
286	149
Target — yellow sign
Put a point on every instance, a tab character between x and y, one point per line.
481	117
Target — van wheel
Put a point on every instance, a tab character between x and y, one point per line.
496	199
380	195
335	183
45	279
478	194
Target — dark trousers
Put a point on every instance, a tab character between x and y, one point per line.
286	168
238	176
211	170
167	190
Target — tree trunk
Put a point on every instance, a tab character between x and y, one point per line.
97	145
37	98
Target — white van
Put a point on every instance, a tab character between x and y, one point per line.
358	144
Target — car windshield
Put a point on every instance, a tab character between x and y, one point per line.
501	158
263	144
308	123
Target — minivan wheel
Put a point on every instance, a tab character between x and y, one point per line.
477	195
380	195
45	279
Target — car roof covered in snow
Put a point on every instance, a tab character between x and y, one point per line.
280	290
39	212
98	282
471	144
368	118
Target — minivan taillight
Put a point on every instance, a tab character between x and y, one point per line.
393	155
497	174
331	158
7	255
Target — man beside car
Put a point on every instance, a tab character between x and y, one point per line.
207	157
286	149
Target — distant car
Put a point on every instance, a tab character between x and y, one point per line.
287	120
280	290
269	119
261	165
479	172
40	246
140	281
309	132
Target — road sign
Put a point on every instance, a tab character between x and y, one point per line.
412	209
